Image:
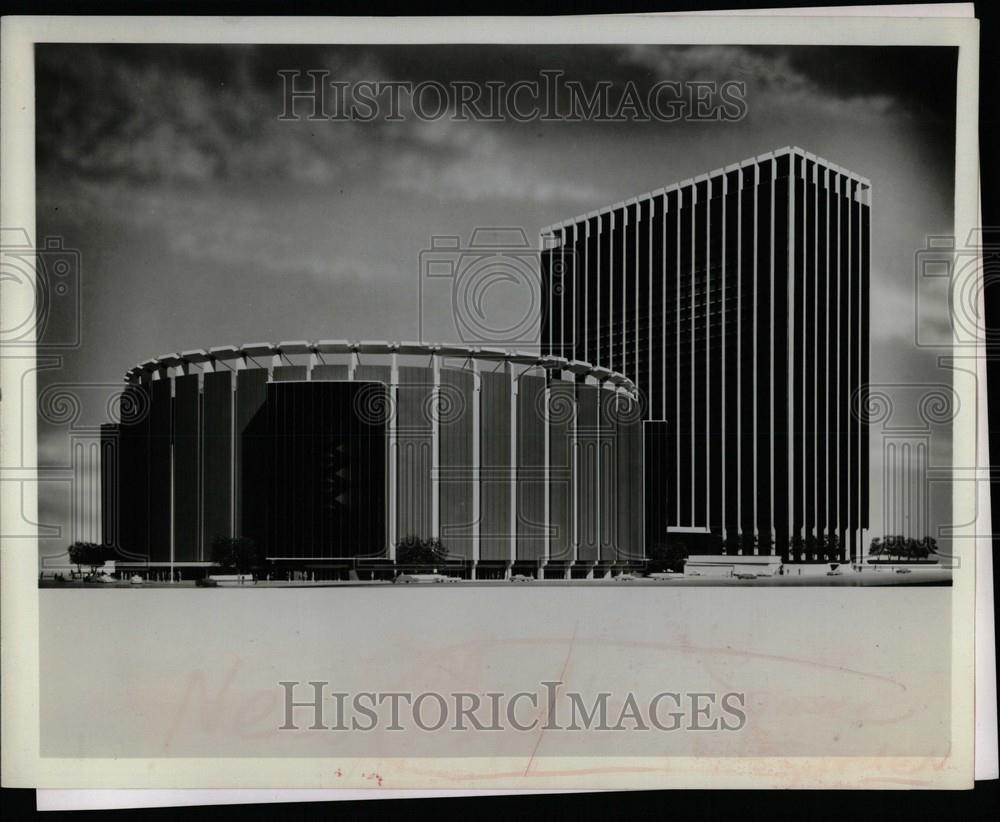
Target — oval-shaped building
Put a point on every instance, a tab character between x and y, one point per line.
327	454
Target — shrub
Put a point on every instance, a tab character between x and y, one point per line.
89	553
417	551
667	556
240	554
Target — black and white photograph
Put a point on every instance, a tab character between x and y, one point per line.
396	406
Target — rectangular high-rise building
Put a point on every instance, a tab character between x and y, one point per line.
738	302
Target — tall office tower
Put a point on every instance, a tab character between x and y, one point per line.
738	302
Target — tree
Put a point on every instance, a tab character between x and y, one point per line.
738	543
667	556
888	546
811	544
895	546
89	553
796	547
414	551
900	547
904	547
240	554
831	547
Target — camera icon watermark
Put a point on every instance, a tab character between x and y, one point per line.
492	288
952	277
43	283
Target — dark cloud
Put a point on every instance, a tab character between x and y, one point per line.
917	77
199	113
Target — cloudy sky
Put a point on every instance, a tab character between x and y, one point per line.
202	219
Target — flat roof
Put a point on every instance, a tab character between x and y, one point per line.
760	158
199	356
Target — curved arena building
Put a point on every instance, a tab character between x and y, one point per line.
327	454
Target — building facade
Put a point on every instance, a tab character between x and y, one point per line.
327	454
738	303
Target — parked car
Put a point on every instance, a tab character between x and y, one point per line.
100	579
625	578
521	578
745	576
903	571
407	579
137	580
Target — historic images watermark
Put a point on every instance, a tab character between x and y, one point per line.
317	706
492	281
952	273
550	97
45	280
